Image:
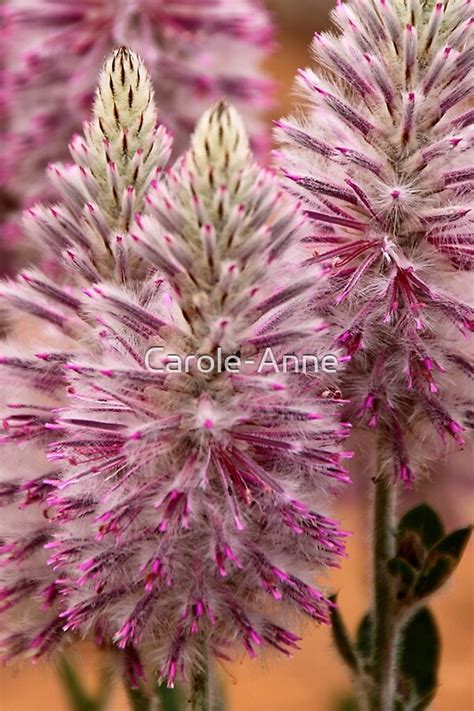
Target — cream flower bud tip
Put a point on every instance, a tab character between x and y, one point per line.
120	154
124	97
220	138
228	39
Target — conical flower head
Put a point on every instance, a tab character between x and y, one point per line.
122	137
121	152
383	159
85	231
55	51
187	505
206	479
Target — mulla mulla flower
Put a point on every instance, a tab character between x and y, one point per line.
120	154
191	51
383	160
125	151
187	507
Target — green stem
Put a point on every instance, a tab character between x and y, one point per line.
201	683
342	640
169	699
78	698
138	699
385	632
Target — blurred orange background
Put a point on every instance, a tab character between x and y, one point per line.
314	679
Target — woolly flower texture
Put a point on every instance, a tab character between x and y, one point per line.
183	510
383	161
188	46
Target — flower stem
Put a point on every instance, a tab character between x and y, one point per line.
385	632
201	684
137	699
77	696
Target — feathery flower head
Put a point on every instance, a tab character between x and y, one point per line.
99	198
55	51
121	153
29	589
383	160
188	507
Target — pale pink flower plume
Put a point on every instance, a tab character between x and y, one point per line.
383	158
195	51
183	509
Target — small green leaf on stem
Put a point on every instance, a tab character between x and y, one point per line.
425	522
364	636
405	576
347	703
399	568
341	637
419	655
170	699
78	698
418	531
441	562
454	544
138	699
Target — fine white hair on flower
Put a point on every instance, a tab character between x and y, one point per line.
189	508
195	52
123	144
29	588
121	152
85	235
383	159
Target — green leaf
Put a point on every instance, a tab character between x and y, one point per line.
404	574
341	637
364	637
434	579
399	568
138	699
454	544
170	699
106	681
78	698
347	703
442	561
424	521
419	655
